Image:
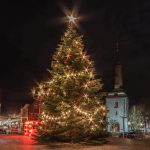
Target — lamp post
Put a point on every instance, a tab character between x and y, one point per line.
145	123
123	117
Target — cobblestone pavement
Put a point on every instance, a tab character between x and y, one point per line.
18	142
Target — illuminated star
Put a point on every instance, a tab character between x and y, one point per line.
71	19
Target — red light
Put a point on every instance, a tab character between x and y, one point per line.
29	127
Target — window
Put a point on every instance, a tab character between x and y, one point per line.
116	113
116	105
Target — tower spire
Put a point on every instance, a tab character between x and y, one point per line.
118	80
117	47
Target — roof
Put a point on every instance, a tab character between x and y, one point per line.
117	94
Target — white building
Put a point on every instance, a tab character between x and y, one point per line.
117	103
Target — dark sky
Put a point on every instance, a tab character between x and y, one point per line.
30	31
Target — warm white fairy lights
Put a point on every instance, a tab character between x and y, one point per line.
66	114
68	75
86	85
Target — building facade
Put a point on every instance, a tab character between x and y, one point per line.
117	102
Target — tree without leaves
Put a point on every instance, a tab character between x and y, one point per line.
136	118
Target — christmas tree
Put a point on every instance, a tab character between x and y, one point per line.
72	99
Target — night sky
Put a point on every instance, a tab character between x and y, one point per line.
30	31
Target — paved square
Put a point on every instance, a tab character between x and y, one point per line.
19	142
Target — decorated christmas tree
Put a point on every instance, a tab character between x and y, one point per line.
72	98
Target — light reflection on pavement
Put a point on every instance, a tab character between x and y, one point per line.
19	142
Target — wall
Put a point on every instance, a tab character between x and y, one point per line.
119	114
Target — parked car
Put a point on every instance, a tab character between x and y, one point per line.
2	131
131	134
136	134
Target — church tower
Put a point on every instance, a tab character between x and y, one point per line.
117	101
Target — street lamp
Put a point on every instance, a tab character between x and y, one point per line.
123	117
141	124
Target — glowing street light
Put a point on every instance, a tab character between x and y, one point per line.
129	123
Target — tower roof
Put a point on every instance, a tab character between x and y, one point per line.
117	57
118	79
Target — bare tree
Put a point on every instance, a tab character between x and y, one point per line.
136	118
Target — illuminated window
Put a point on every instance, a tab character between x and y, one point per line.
116	105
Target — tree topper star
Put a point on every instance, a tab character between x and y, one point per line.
72	19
